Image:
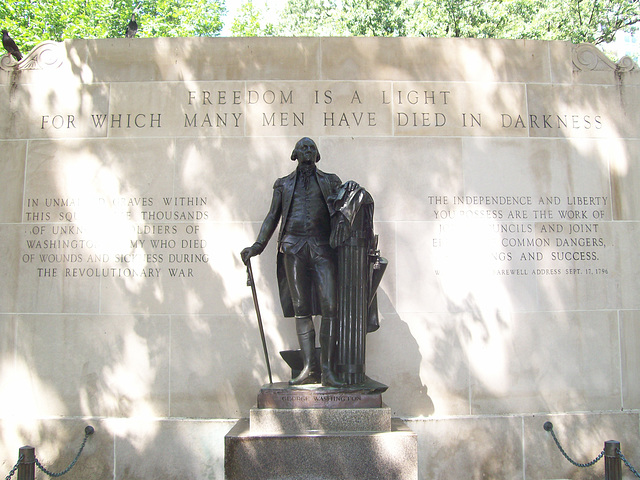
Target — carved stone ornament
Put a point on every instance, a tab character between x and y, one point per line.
586	57
47	55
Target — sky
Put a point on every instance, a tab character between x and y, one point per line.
274	6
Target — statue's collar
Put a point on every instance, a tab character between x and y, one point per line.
306	170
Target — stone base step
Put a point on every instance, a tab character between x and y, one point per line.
319	420
388	455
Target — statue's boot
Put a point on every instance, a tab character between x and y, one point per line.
328	348
307	339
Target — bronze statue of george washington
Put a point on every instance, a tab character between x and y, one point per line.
306	264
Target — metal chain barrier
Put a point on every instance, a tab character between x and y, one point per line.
611	451
87	431
548	426
629	466
13	470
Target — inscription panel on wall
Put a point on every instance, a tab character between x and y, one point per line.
314	108
520	235
157	237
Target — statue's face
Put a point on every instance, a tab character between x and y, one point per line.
307	152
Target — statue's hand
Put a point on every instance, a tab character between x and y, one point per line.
249	252
350	186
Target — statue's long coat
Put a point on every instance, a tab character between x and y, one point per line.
283	190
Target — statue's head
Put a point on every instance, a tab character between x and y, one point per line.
305	151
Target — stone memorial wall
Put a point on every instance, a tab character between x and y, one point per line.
133	172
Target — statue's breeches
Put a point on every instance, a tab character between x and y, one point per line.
306	269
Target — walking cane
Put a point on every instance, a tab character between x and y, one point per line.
252	284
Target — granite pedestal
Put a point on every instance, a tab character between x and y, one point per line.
313	432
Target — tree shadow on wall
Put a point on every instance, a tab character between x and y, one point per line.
395	358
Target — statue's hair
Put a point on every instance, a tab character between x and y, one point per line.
294	154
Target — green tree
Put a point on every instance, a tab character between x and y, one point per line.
181	18
32	21
250	22
594	21
311	18
380	18
452	18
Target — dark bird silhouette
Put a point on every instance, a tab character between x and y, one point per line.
10	46
132	28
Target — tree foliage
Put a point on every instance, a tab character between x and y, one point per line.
594	21
249	22
346	17
383	18
310	18
31	21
